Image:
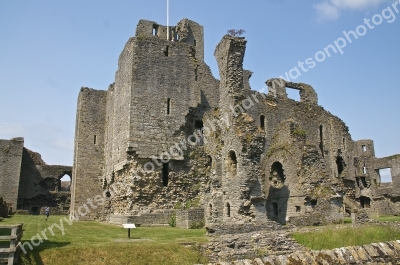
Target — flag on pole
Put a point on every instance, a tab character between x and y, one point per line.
167	19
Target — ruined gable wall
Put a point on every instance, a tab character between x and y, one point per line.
10	168
88	153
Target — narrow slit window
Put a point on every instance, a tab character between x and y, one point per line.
166	50
94	139
262	122
168	106
228	210
194	42
321	140
165	172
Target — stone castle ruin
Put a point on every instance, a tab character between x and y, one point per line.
28	184
167	134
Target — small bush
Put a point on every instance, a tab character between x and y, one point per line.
236	32
197	224
172	220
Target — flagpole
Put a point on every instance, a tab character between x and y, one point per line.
167	19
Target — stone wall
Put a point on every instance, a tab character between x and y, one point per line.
377	253
88	152
191	218
256	156
40	184
3	208
10	168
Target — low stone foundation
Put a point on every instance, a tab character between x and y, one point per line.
229	247
191	218
157	218
377	253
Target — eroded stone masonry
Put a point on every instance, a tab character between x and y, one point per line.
168	135
28	184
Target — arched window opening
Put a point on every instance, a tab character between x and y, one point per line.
228	209
262	122
277	177
65	183
231	164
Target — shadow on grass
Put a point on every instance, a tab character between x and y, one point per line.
32	255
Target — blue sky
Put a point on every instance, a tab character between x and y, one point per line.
49	49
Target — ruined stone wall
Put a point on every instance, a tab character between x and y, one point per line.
376	253
191	218
234	143
40	184
10	168
160	95
89	149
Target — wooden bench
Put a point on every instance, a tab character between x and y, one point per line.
10	255
129	226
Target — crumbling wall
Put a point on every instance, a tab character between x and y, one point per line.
140	137
10	169
376	253
40	184
89	150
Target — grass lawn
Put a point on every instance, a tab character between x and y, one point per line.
330	237
390	218
89	242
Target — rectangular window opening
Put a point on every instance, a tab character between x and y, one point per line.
293	94
385	175
364	148
165	172
155	30
94	139
298	209
166	50
194	42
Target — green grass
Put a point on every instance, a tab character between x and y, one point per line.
330	238
390	218
89	242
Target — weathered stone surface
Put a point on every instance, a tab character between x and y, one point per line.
345	255
27	183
